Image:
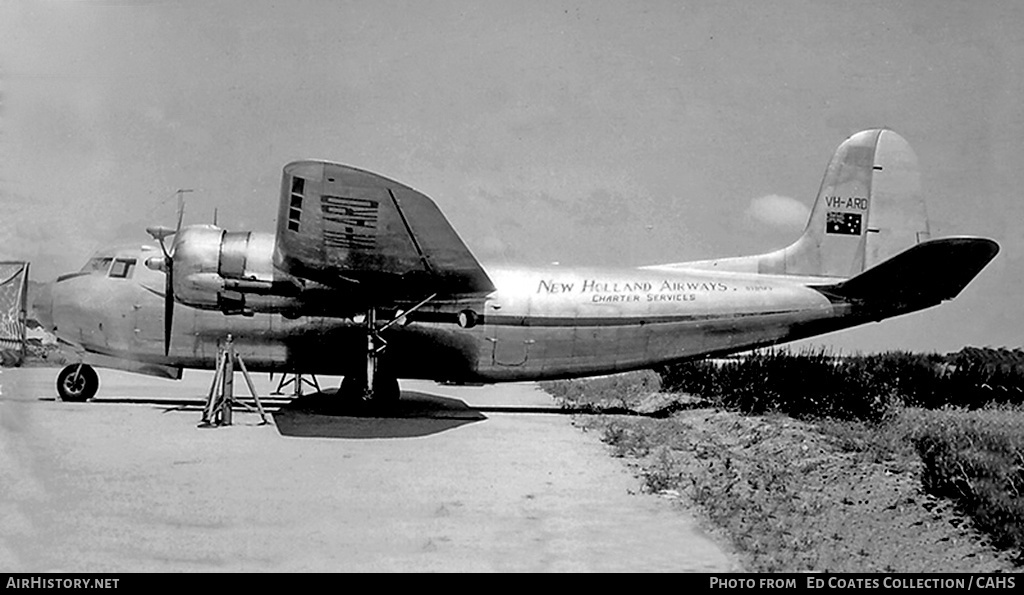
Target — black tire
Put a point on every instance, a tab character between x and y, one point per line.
351	387
77	383
385	388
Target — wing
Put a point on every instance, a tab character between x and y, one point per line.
343	226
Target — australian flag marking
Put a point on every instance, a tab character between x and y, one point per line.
848	224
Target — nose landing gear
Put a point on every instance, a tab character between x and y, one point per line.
77	383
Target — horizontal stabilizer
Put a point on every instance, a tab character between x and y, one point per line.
925	274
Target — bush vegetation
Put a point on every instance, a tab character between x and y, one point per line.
816	384
976	458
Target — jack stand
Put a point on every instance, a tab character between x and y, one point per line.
222	391
296	379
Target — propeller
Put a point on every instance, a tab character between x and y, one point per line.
160	234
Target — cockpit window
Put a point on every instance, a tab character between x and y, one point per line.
100	264
122	268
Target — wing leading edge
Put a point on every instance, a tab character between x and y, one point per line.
353	229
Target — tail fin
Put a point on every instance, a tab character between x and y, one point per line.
869	208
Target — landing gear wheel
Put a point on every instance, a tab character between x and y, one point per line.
77	383
351	387
385	389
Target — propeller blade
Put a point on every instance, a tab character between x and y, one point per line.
168	305
161	234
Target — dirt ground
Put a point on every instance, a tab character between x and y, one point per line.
791	498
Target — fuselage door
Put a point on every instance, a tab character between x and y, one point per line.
507	330
148	327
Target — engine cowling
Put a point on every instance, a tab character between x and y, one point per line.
215	269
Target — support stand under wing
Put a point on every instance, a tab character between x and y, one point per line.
298	380
219	403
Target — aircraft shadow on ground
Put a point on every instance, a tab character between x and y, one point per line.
324	415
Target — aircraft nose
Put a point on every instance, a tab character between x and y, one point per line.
42	306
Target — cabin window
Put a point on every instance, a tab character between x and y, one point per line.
100	264
122	268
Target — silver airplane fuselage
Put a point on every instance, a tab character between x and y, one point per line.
554	322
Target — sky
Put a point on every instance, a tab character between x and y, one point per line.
618	133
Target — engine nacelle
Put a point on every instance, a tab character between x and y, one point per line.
233	272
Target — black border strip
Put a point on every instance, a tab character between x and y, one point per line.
561	321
